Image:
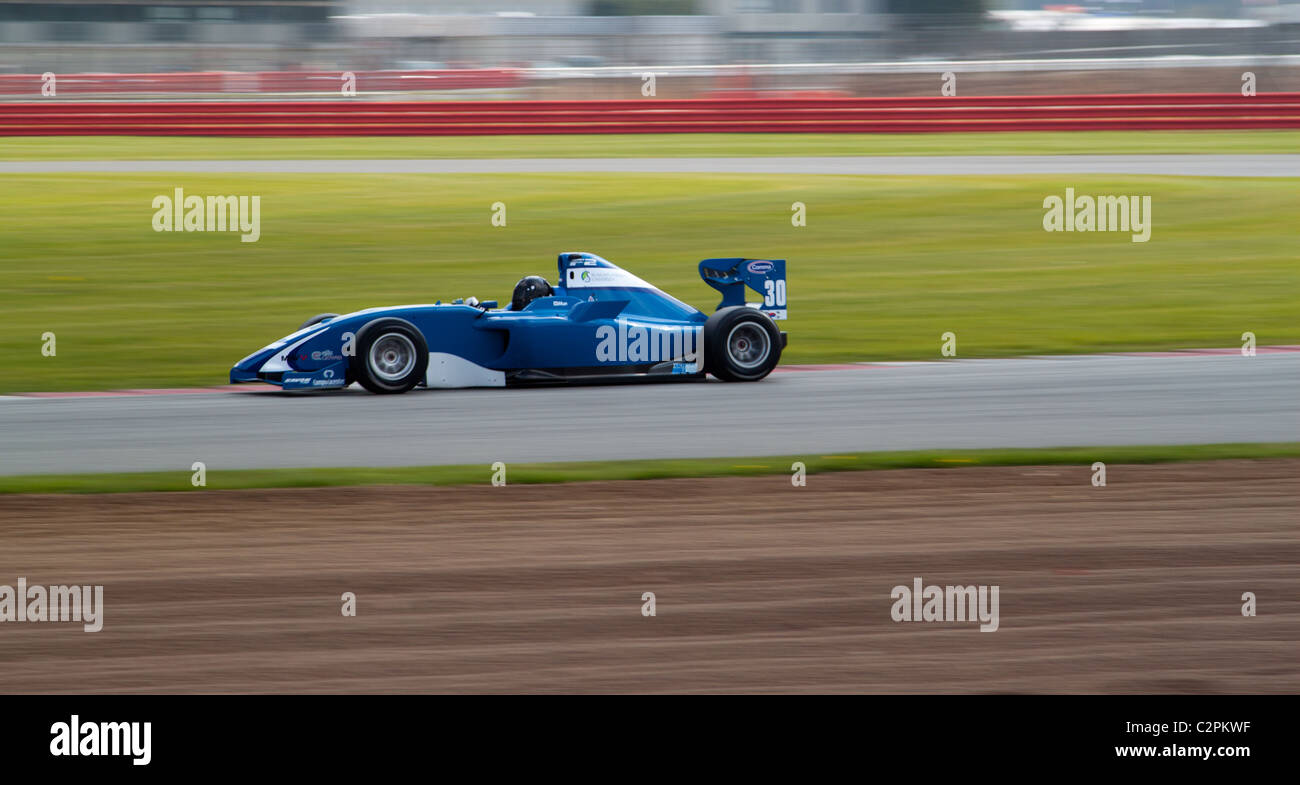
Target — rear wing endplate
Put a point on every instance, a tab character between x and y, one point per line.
765	276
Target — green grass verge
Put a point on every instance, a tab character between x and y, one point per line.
653	145
531	473
884	266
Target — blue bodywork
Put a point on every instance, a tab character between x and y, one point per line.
601	322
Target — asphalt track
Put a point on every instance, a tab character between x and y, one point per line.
1204	165
1028	402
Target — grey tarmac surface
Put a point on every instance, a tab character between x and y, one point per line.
1207	165
1024	402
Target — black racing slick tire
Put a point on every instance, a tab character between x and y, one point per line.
741	344
317	319
391	357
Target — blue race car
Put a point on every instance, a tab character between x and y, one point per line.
599	323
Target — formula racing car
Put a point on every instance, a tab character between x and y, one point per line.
598	323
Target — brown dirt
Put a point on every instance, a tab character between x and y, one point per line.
761	587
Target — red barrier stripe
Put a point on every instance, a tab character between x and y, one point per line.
595	108
656	104
637	128
859	115
649	118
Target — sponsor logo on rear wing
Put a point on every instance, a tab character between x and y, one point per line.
765	276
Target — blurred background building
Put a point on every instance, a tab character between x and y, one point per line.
579	41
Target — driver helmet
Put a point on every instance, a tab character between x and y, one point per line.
528	289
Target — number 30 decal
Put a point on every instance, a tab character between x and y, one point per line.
774	293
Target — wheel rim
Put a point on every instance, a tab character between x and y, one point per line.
392	357
748	344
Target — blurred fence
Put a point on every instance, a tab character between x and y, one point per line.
221	83
650	115
1150	75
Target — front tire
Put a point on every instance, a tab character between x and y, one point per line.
741	344
391	357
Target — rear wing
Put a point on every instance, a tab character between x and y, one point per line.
731	276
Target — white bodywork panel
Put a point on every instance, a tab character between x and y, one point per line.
280	362
448	370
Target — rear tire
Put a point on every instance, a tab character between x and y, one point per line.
317	319
391	357
741	344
